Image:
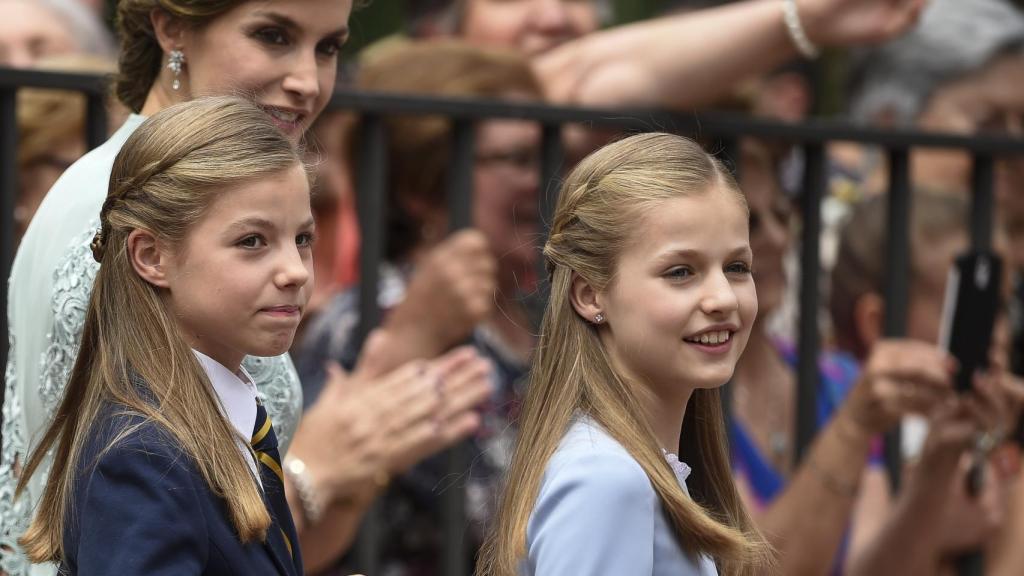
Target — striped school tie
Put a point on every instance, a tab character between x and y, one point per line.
264	444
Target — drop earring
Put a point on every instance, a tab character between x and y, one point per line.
175	62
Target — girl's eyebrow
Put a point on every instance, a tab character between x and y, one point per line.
252	222
742	251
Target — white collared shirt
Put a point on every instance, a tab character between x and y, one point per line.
237	395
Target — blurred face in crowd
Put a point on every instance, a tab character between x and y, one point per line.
30	31
929	278
37	175
532	26
770	213
283	53
506	180
989	101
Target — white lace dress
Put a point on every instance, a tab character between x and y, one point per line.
49	289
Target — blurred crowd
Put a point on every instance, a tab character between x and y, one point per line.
955	67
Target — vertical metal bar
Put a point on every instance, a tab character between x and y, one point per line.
810	265
983	183
729	153
460	177
552	159
95	120
897	280
371	190
972	563
454	553
8	192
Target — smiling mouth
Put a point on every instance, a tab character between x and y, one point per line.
712	338
287	118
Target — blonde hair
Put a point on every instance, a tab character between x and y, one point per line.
166	175
597	212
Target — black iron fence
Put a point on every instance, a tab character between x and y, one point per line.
811	136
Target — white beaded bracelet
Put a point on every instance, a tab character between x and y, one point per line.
803	44
297	472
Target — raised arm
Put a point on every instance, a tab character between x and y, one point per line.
688	60
808	521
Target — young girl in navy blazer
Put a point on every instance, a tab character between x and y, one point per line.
165	462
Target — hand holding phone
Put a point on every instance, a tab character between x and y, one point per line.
968	319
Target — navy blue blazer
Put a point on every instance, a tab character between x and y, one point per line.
143	507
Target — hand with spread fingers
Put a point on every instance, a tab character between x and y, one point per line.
372	424
463	382
365	428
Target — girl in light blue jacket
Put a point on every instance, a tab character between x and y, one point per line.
651	305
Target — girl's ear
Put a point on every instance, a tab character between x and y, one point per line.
169	30
147	258
585	299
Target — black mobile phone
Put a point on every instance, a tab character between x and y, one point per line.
969	312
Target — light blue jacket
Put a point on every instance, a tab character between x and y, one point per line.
598	515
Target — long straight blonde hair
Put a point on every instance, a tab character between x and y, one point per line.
163	180
597	212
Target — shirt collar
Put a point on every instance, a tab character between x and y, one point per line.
236	392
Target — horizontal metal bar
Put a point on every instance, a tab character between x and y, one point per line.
76	81
717	124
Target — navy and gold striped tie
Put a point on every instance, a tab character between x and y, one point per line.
264	444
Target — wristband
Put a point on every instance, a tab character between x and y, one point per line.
298	474
803	44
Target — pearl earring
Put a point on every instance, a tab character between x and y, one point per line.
175	62
599	318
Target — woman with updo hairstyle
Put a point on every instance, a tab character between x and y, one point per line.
282	56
